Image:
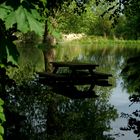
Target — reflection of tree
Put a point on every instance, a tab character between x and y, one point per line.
133	123
51	116
131	78
86	119
131	75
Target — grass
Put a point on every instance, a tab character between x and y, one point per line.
102	41
101	46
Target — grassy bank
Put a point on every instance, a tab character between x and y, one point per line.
102	41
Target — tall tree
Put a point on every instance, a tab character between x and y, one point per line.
119	7
131	12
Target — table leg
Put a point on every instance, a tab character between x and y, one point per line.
55	69
91	86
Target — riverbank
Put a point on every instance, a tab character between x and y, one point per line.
82	39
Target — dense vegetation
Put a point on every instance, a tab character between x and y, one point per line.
96	20
47	18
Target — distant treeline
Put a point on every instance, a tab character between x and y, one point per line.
92	21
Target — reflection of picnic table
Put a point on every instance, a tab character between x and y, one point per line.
78	74
74	66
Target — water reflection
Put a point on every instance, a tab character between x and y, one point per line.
130	74
55	117
52	116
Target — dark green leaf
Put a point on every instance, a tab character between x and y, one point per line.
12	52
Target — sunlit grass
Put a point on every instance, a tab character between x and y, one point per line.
101	42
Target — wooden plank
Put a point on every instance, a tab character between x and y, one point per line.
66	80
78	75
81	72
99	79
74	65
54	82
64	77
99	75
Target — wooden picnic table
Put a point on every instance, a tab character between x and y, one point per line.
78	74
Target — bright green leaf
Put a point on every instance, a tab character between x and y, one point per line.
1	102
29	21
1	130
1	109
1	138
26	20
34	25
2	117
35	14
10	20
1	65
21	19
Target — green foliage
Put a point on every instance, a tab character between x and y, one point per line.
70	21
53	28
100	20
102	27
26	20
130	9
13	18
130	74
2	119
4	10
88	22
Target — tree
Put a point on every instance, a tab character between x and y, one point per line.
129	8
131	12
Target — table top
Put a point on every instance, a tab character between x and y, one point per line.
74	64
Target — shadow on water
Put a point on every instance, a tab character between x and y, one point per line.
43	114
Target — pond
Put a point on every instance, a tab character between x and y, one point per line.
49	115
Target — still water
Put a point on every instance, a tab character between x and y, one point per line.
55	117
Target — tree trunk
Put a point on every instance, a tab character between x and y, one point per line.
48	50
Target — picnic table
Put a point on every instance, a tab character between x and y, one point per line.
79	74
